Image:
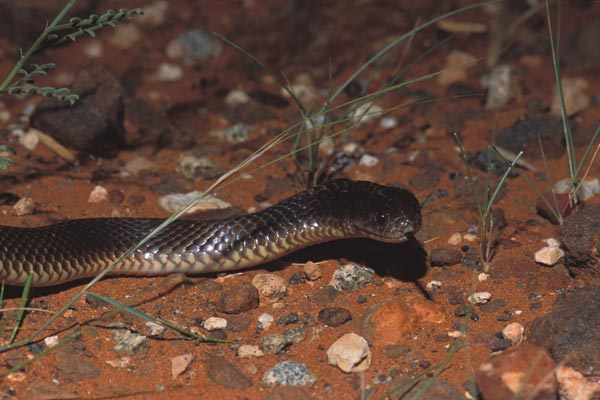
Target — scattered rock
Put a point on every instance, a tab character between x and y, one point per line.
199	168
502	84
236	97
154	329
176	202
98	195
24	206
312	271
288	319
274	343
368	161
29	139
334	316
225	374
579	235
214	323
350	277
137	164
574	386
457	64
194	47
74	367
95	123
523	135
238	323
350	353
167	72
180	364
270	286
125	340
264	321
288	373
550	254
238	133
570	332
124	36
242	297
249	351
443	256
297	278
574	97
513	332
480	297
525	371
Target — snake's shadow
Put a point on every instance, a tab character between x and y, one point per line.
403	261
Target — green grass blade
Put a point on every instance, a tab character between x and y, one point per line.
22	304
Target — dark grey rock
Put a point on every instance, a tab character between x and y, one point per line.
443	256
72	366
579	235
571	332
242	297
334	316
225	374
351	277
524	132
288	319
95	123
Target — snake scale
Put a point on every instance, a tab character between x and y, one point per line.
81	248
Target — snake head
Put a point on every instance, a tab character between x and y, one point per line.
387	214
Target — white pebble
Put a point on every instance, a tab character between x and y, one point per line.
455	239
180	364
98	194
482	277
480	297
176	202
265	321
24	206
549	255
168	72
51	341
433	285
214	324
470	237
154	329
93	49
513	332
350	353
368	160
29	139
249	351
388	122
236	97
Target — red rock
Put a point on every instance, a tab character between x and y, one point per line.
522	372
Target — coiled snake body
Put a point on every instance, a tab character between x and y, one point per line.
81	248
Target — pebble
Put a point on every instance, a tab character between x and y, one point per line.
214	324
350	277
550	254
500	344
574	386
225	374
125	340
137	164
334	316
365	112
198	168
295	335
455	239
288	319
586	189
350	353
180	364
154	329
24	206
457	64
168	72
29	139
274	343
237	133
124	36
297	278
51	341
236	97
312	271
288	373
270	286
433	285
264	321
249	351
70	363
513	332
176	202
388	122
368	160
573	95
240	298
98	194
443	256
480	297
503	84
194	47
513	374
154	13
121	362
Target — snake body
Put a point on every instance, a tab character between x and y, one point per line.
81	248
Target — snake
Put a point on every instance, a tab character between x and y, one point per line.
81	248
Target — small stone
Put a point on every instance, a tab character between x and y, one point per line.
368	160
457	63
214	323
168	72
237	133
24	206
294	335
180	364
433	285
198	168
500	344
176	202
270	286
573	95
526	371
264	321
274	343
154	329
334	316
503	84
455	239
288	373
242	297
154	13
137	164
312	271
236	97
225	374
297	278
249	351
574	386
350	353
121	362
549	255
513	332
29	139
98	194
443	256
480	297
365	112
51	341
125	340
124	36
388	122
194	47
350	277
288	319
